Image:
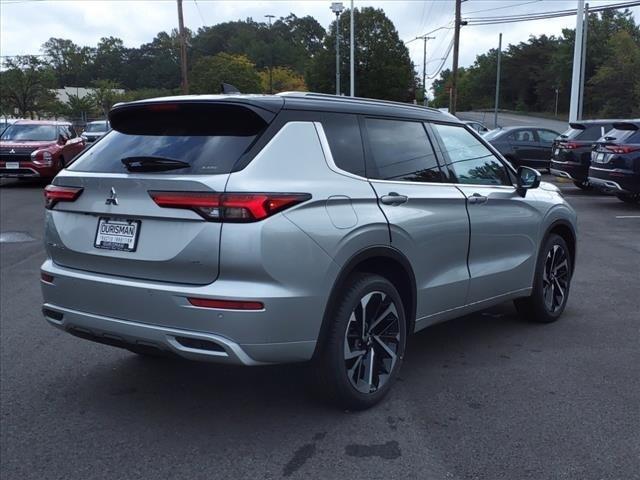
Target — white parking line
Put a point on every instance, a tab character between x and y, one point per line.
627	216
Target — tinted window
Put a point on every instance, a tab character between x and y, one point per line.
471	161
72	132
209	137
522	136
28	132
204	154
588	133
628	136
343	134
547	136
401	151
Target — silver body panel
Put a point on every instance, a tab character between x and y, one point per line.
464	257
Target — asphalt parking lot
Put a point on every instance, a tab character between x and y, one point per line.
486	396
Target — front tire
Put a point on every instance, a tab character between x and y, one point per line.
585	185
632	198
550	284
365	343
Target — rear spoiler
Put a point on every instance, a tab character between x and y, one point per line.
625	126
578	126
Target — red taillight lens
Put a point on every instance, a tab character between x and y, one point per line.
622	148
54	194
568	145
45	277
226	304
229	207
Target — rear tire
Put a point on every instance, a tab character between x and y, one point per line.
584	185
632	198
365	343
550	284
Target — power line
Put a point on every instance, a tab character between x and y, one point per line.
543	15
200	13
505	6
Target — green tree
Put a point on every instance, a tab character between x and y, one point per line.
284	80
78	108
25	86
383	68
105	95
209	72
616	84
71	63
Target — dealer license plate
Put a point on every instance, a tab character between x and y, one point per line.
117	234
13	165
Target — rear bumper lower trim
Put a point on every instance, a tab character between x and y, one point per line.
560	173
123	332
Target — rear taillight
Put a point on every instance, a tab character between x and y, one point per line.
45	277
54	194
568	145
229	207
226	304
622	148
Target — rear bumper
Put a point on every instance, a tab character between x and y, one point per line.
573	171
28	169
615	180
124	312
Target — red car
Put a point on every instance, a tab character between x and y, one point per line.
37	148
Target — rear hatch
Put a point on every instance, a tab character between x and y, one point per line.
115	227
619	149
576	143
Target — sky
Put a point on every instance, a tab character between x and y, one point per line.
26	24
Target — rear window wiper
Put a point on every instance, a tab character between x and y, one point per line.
153	164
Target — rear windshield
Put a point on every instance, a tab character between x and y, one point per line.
204	154
618	136
96	127
590	133
208	139
26	132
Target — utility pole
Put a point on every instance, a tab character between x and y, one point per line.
352	54
337	8
424	68
557	91
270	55
577	62
456	51
495	113
584	60
183	50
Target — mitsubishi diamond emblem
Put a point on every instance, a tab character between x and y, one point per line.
12	151
112	199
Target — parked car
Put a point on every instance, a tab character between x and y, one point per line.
476	126
296	227
530	146
572	150
615	161
37	148
95	130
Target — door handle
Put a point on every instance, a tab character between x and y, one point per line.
393	198
477	199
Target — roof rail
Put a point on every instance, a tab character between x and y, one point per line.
329	96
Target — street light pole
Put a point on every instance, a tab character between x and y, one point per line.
270	55
577	59
352	55
183	50
424	68
583	60
337	8
495	113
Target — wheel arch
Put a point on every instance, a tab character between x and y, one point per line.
381	260
566	230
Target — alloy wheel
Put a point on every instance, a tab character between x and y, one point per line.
372	342
555	279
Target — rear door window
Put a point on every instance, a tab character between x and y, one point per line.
400	150
471	161
345	141
207	139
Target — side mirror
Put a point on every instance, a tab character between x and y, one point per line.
528	178
62	140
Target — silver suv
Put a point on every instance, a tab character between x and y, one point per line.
265	229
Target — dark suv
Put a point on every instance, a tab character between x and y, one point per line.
615	161
571	153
